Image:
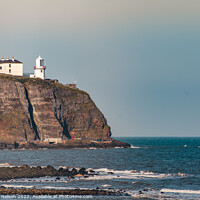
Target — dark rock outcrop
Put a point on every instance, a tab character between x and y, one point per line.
82	192
7	173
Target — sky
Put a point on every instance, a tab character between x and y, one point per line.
139	60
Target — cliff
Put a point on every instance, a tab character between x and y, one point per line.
37	110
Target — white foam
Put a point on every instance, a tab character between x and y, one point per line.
113	170
128	172
180	191
53	187
5	164
182	174
105	173
106	185
64	167
137	173
134	147
17	186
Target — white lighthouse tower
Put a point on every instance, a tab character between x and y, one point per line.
39	68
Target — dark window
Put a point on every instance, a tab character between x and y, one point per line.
9	65
9	70
41	62
41	70
0	67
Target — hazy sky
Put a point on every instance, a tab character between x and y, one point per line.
138	59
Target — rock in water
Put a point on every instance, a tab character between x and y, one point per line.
82	171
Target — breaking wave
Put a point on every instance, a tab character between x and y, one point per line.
180	191
105	173
5	165
134	147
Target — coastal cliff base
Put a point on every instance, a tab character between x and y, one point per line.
70	144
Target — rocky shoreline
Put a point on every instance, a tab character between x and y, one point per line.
25	171
82	192
69	144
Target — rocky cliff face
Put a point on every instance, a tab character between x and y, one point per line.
34	109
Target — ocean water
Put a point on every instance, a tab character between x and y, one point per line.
153	168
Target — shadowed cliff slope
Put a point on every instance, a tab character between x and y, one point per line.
35	109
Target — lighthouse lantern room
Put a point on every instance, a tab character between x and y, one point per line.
39	68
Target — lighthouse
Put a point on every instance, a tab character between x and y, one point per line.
39	68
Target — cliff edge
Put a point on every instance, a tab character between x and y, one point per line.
42	112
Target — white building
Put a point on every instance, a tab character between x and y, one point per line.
39	69
53	140
11	66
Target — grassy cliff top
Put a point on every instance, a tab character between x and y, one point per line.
38	81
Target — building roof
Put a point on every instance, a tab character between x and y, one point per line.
9	61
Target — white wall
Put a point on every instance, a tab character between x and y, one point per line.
16	69
39	73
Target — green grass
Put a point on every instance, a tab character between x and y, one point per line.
40	82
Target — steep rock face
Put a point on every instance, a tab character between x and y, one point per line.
32	109
14	114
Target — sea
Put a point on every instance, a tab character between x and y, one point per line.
153	168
